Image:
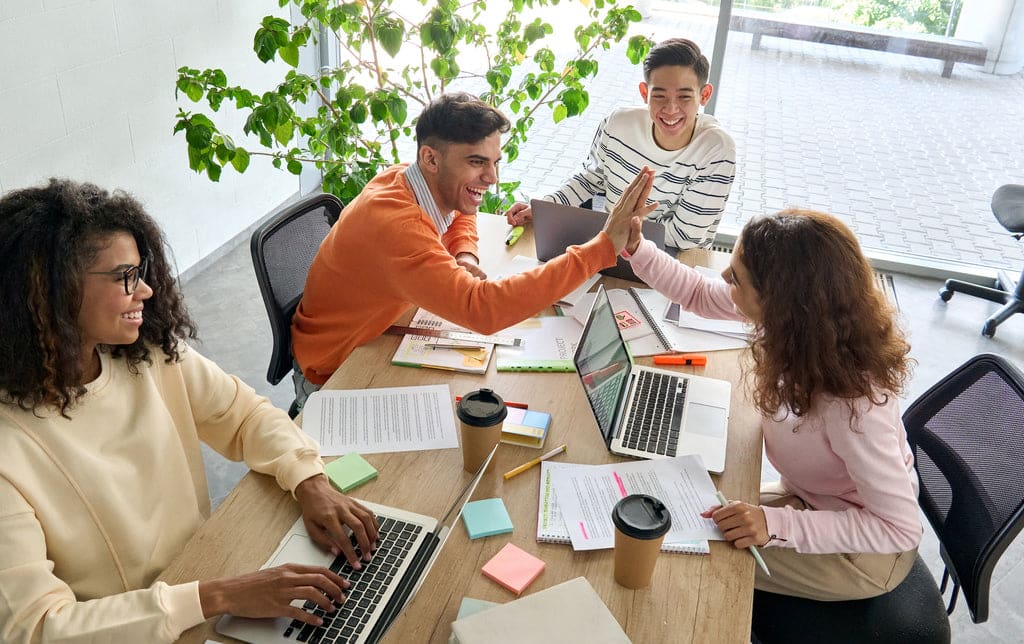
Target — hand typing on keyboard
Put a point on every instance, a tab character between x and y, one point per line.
327	512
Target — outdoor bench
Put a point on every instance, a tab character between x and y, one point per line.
922	45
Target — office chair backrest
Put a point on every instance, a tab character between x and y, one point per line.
283	249
967	435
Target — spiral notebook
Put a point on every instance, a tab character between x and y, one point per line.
551	528
668	337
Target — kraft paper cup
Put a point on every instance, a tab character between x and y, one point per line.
641	522
481	415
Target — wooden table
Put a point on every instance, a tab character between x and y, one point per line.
692	598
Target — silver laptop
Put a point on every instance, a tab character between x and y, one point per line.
644	412
556	227
409	545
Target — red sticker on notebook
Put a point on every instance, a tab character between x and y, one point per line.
626	320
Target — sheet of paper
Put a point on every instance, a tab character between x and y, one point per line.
586	498
683	339
389	419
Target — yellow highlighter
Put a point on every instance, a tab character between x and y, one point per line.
527	465
514	235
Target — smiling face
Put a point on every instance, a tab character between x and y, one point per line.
107	315
458	174
673	94
744	296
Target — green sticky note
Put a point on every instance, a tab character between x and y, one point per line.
349	471
486	518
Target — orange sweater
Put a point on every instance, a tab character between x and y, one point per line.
384	255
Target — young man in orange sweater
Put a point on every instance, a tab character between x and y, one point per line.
409	239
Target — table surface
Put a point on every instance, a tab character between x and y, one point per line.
692	598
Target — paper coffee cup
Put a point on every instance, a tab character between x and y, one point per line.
641	522
481	415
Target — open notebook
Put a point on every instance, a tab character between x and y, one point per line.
551	528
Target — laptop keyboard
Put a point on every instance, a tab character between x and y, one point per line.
366	590
656	414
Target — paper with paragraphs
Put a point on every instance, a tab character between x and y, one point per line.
586	497
373	421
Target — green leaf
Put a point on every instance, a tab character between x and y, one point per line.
357	113
213	171
398	109
378	109
289	54
284	132
265	45
240	161
559	113
294	166
198	136
222	152
389	32
637	49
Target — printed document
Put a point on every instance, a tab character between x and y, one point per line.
586	497
389	419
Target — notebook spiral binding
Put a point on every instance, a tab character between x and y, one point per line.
649	316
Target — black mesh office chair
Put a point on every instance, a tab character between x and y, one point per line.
282	251
1008	207
967	435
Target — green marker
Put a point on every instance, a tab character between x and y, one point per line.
514	235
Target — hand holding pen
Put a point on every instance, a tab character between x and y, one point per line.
743	524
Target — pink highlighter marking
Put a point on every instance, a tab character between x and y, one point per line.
622	488
583	528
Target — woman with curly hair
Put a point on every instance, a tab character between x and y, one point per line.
827	362
102	407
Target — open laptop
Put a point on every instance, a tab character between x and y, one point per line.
556	227
409	545
644	412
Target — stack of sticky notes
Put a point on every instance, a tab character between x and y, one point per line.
349	471
486	518
525	427
513	568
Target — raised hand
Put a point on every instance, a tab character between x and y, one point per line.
633	204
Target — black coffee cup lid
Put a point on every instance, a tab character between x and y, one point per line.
641	516
482	408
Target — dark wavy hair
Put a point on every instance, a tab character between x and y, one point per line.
49	236
458	118
826	328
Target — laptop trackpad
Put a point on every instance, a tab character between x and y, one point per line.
706	420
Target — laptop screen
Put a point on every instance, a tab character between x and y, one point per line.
603	364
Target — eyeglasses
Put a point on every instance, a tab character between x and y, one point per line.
131	276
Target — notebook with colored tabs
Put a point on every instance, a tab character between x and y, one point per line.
526	427
486	518
349	472
513	568
441	353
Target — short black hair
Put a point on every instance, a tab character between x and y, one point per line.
677	51
458	118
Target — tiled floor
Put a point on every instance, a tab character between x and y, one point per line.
233	329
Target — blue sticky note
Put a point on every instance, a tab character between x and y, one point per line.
485	518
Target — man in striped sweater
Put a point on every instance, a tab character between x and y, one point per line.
693	157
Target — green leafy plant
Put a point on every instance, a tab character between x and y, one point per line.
391	66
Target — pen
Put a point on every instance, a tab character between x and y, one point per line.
527	465
688	359
753	550
514	235
507	403
454	346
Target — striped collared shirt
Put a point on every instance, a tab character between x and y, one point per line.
426	200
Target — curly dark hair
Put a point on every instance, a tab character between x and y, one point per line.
49	236
825	328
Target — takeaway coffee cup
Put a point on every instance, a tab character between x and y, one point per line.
641	522
481	414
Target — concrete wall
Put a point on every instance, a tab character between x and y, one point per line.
999	24
87	92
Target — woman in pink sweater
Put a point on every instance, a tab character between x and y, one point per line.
826	364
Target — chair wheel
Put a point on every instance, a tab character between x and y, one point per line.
989	329
945	294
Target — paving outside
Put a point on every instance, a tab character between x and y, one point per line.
907	158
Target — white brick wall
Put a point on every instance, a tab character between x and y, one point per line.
87	92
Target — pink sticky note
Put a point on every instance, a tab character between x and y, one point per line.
513	568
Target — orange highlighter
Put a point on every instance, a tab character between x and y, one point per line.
687	359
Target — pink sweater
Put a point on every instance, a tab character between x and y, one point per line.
856	472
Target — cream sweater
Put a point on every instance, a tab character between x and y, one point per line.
92	509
